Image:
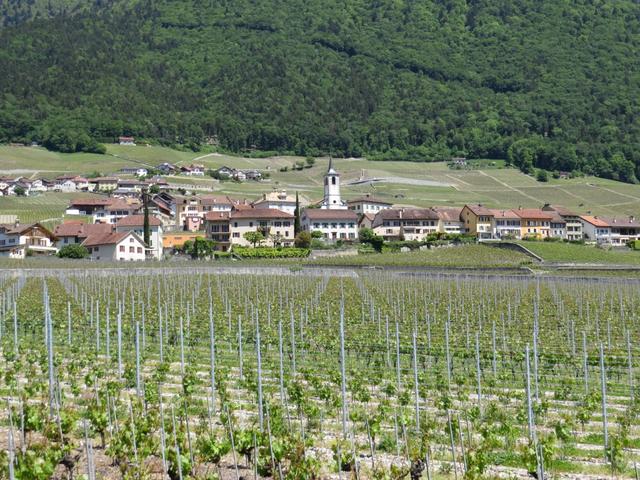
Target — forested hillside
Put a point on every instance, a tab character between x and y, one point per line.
553	84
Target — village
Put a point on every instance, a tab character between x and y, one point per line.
111	225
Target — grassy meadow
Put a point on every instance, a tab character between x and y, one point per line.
558	252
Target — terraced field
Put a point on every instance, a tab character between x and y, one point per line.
196	374
402	183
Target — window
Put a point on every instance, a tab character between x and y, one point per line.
139	249
278	224
130	239
251	224
325	225
236	234
333	180
286	224
334	225
132	249
316	225
121	248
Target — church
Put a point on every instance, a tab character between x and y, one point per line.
332	218
332	200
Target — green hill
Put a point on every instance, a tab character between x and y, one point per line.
543	83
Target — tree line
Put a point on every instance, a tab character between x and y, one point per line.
540	83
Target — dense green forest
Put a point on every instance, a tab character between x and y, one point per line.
552	84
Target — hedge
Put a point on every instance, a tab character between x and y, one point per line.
269	252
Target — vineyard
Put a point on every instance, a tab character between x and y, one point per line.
194	374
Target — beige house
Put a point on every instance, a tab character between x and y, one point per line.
18	241
278	200
478	220
103	184
275	225
410	224
450	221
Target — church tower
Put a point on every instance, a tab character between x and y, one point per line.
332	200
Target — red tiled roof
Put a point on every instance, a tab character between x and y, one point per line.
138	221
565	212
595	221
259	213
534	213
450	214
328	214
80	229
409	214
105	238
497	213
217	200
478	209
216	216
118	204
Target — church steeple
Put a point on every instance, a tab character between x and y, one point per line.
332	200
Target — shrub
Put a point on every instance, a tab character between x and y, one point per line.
542	176
303	240
73	251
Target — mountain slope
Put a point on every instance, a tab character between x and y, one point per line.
541	82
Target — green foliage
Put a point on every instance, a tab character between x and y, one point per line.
303	240
73	251
542	176
269	252
366	235
254	238
419	81
200	248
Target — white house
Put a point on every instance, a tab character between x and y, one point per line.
135	223
506	224
115	210
278	200
595	229
70	183
18	241
193	170
137	171
368	204
38	185
128	141
76	232
450	220
121	246
334	224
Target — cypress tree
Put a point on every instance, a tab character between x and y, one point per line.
296	224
